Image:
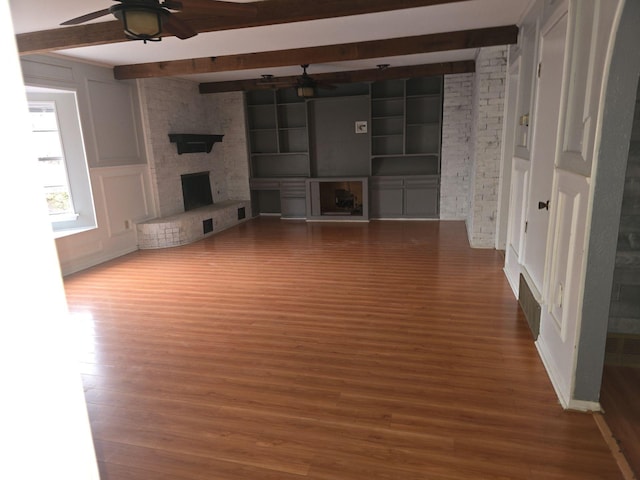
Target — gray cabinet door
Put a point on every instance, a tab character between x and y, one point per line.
404	197
386	201
293	207
421	196
293	201
421	201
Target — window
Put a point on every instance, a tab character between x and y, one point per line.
58	145
51	163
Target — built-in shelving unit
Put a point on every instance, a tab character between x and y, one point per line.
406	126
278	134
406	132
279	149
405	137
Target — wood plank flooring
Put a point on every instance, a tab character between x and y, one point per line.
620	398
324	351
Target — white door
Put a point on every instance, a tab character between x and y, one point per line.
552	52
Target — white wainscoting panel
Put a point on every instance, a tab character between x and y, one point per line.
125	191
122	198
34	70
114	123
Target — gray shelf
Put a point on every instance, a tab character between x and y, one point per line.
279	143
400	165
406	126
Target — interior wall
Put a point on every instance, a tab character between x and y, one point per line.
226	114
615	123
624	311
337	150
455	166
45	427
175	106
115	153
585	205
488	113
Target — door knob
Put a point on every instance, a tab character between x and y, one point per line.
543	205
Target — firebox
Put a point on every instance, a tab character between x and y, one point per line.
338	198
196	190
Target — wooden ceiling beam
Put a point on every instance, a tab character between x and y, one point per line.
270	12
438	42
369	75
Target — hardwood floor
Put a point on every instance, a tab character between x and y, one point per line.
620	400
286	350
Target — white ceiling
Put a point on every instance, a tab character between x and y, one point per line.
32	15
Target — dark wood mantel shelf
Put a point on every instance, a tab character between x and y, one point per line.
194	143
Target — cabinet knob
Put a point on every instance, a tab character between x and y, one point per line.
543	205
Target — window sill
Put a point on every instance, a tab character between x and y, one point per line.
71	231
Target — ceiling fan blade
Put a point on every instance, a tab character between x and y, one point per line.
87	17
276	83
326	86
172	4
224	9
178	28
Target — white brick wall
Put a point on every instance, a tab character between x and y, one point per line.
488	113
175	106
227	114
455	169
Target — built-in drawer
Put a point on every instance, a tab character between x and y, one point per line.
385	182
421	181
264	184
293	188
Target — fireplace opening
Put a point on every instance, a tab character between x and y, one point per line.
196	190
341	198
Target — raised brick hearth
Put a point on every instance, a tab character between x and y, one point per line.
187	227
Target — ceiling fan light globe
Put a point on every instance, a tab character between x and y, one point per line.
306	91
141	22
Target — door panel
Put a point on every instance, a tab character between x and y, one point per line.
515	234
552	50
559	317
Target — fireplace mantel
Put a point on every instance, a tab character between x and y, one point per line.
194	143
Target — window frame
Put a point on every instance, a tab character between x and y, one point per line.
77	167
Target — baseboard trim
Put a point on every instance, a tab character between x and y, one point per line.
78	265
514	287
551	373
584	406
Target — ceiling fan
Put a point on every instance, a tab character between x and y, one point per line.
304	84
147	19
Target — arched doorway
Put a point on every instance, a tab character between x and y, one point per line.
609	183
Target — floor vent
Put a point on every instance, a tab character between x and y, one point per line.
530	307
207	225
